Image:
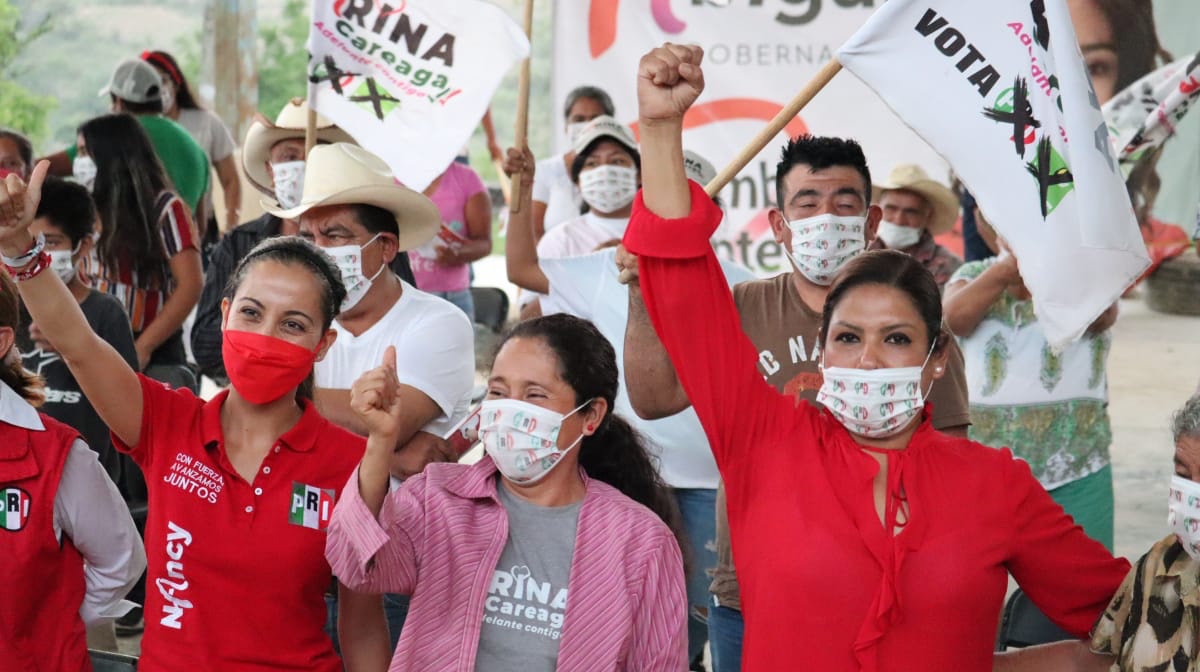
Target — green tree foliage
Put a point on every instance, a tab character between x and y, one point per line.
283	58
21	109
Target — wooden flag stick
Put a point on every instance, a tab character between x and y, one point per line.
310	132
789	112
505	185
522	107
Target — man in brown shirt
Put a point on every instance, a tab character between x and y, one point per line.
782	318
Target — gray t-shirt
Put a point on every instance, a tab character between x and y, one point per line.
527	599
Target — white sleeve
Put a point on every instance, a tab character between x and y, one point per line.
574	282
442	363
543	179
90	512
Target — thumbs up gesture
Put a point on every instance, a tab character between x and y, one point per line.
375	398
18	205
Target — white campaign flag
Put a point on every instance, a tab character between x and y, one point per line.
1144	114
1000	90
409	79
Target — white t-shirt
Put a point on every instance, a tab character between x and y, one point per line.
214	138
552	185
209	132
580	236
587	287
435	353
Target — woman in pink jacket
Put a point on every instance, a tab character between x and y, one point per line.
554	552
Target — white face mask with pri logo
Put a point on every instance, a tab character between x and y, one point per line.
608	188
349	260
875	403
522	438
822	244
1183	513
289	183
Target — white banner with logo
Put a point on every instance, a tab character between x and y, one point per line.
758	53
409	79
1001	90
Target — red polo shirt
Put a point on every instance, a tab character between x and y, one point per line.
236	571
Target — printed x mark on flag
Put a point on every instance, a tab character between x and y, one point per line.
333	74
1051	172
369	92
1019	113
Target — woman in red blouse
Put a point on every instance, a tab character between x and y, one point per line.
864	538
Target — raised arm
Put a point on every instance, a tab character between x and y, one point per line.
374	540
102	373
683	285
520	250
650	378
967	302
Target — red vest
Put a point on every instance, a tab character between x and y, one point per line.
41	579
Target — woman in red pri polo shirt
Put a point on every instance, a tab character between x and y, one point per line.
241	487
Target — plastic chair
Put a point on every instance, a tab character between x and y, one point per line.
107	661
1023	624
491	307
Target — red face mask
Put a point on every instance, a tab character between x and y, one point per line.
263	368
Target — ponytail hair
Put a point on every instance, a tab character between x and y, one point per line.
615	453
29	385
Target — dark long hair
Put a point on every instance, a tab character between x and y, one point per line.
129	180
183	91
295	251
615	453
24	383
890	268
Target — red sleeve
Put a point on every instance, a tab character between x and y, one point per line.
1068	575
692	309
160	404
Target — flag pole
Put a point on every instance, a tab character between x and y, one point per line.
781	120
505	185
310	131
522	107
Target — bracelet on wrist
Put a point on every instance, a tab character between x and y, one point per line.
28	271
22	260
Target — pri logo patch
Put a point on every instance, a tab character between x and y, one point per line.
14	511
311	506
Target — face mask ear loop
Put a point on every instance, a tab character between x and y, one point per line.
928	355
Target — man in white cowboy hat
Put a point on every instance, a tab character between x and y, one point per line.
915	209
273	161
352	207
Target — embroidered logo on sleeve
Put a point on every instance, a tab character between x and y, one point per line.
311	506
14	509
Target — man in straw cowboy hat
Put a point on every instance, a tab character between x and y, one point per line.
273	162
915	209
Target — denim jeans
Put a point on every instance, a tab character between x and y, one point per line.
725	627
697	506
462	299
395	608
